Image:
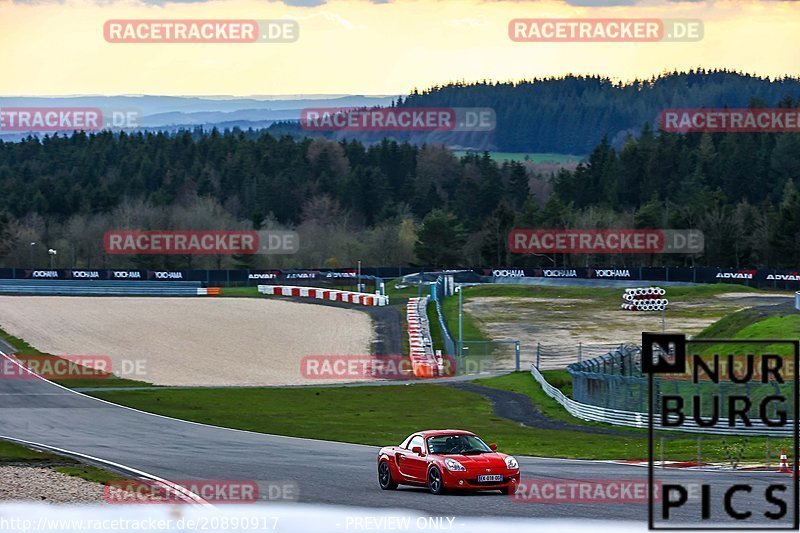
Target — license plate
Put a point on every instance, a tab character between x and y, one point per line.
494	477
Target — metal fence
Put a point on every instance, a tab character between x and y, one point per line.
101	287
447	337
476	356
551	356
639	419
491	356
615	381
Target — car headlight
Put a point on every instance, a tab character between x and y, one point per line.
454	465
511	463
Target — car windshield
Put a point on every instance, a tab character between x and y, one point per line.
457	445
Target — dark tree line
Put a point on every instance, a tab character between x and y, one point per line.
572	114
393	202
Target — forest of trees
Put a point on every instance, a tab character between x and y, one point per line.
347	201
392	203
570	115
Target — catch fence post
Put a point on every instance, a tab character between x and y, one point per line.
580	352
538	354
516	347
766	451
699	451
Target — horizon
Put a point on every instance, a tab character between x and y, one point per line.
347	47
322	96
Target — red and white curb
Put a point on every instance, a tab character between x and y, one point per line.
694	465
332	295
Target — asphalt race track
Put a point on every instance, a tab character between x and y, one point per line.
38	411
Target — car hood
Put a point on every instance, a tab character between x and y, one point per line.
484	460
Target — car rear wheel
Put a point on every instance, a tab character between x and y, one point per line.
385	476
435	483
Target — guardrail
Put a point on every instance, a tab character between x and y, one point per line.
593	413
333	295
449	343
103	288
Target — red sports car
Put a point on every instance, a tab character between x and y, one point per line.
447	459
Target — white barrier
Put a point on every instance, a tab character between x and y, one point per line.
645	299
423	360
333	295
617	417
209	291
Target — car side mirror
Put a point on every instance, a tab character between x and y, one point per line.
493	446
417	450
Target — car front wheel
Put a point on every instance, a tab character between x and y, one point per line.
435	483
385	476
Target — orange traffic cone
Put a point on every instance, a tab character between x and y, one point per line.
784	464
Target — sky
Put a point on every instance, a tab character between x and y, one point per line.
365	47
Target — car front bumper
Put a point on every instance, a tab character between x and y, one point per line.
469	480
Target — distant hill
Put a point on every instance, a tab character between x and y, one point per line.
173	113
571	115
567	115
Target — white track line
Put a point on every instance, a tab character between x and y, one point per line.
189	496
172	418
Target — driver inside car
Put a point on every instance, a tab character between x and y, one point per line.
454	444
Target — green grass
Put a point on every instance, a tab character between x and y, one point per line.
384	415
752	324
240	292
14	453
90	473
103	380
523	383
732	324
749	324
437	337
470	325
412	291
774	327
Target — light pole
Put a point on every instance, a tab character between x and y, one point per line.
52	252
460	321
